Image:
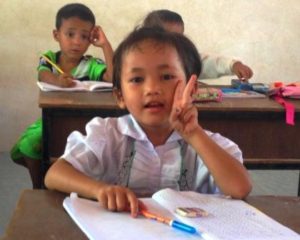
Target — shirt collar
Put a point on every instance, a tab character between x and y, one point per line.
130	127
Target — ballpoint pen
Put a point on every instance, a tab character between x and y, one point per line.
170	222
53	64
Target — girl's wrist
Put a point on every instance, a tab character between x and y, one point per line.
99	186
197	133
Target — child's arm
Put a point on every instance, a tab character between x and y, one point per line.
62	176
99	39
229	174
62	80
217	66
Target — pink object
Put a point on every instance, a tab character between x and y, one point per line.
280	91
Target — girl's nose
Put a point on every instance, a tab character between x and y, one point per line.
153	87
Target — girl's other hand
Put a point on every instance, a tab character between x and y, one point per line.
117	198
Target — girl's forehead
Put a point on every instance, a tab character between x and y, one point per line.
151	54
151	45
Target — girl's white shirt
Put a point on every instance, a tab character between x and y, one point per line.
101	154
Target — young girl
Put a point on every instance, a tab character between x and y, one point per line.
213	66
75	32
160	144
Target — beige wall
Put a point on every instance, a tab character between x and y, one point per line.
263	33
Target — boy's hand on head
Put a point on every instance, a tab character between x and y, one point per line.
242	71
97	37
118	198
184	115
65	80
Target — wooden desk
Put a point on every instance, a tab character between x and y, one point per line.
39	215
256	125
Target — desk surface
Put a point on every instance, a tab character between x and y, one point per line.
39	215
98	100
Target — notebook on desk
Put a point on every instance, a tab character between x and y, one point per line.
82	86
227	219
238	93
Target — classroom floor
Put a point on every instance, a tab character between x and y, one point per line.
15	178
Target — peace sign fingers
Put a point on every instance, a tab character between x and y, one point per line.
184	115
189	90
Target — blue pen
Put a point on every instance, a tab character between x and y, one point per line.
172	223
182	226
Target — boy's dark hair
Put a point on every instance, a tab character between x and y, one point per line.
186	50
157	18
74	10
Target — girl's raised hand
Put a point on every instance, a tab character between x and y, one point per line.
184	115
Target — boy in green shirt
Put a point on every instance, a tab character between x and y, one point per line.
75	31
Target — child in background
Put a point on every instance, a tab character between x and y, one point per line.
213	66
160	144
75	31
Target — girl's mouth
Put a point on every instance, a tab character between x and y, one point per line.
154	106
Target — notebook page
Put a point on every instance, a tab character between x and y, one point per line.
228	219
79	86
98	223
46	87
96	85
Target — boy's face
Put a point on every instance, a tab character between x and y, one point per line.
150	73
73	37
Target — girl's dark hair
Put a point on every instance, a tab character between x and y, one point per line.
74	10
187	52
157	18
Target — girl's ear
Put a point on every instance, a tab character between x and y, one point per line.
119	97
55	34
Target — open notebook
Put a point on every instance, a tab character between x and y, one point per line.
228	219
89	86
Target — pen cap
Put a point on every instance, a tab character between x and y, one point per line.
182	226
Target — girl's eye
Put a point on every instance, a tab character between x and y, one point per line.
167	77
136	79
